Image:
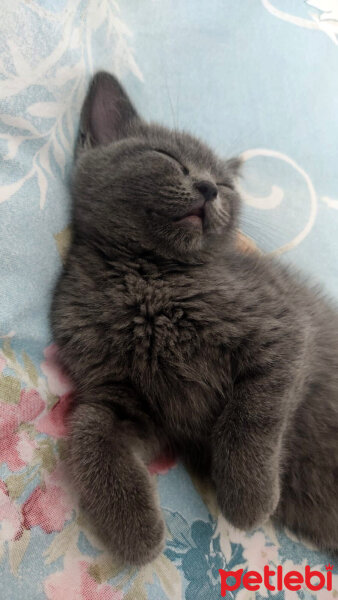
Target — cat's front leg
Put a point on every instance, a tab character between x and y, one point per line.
247	451
108	470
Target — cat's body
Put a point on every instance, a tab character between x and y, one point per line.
174	341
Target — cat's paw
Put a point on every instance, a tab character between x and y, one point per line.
134	533
142	543
248	508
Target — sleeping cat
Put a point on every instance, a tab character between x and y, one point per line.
176	340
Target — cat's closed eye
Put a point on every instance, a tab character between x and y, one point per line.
226	184
185	171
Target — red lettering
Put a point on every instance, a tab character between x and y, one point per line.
251	580
225	586
308	576
267	574
293	580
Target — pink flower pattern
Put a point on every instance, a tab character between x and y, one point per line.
15	447
58	383
10	516
54	422
75	583
162	464
48	506
49	509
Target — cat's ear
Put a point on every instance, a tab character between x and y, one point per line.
106	113
233	166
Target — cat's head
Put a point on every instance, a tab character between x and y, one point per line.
143	187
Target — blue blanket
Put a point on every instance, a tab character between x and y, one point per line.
257	79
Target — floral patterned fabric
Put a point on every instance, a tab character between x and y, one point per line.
251	78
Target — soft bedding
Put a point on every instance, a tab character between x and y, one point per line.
255	78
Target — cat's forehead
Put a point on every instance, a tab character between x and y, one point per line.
180	143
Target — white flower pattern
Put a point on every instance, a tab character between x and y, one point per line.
48	52
326	21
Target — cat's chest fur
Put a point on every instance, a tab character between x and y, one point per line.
169	318
173	339
173	334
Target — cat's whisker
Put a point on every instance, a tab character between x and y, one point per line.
175	123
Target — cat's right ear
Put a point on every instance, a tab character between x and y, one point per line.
106	113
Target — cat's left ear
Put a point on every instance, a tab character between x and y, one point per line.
106	113
233	166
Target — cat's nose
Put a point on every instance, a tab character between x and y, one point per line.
207	189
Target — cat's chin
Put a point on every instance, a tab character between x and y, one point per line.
194	218
192	221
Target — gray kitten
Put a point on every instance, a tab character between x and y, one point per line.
176	340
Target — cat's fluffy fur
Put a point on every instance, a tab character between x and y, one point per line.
175	339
